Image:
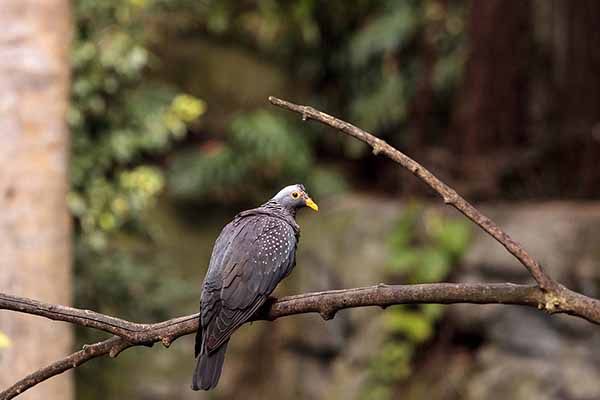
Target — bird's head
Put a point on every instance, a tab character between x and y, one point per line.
294	197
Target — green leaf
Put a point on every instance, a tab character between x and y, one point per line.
435	265
392	29
451	235
432	311
405	261
414	325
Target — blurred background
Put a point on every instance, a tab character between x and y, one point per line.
170	135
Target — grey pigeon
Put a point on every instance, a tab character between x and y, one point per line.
251	256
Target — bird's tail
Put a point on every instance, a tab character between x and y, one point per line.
208	368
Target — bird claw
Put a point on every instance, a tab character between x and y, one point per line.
271	300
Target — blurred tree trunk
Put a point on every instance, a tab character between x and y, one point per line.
531	115
35	252
573	46
492	114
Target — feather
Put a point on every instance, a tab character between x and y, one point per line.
251	256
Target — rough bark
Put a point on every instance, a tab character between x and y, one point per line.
34	222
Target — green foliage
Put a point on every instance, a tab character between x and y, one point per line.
261	151
390	365
384	103
120	123
393	28
260	147
423	248
117	119
444	241
368	63
132	283
386	56
324	181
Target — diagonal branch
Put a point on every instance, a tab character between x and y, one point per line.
557	297
448	194
72	361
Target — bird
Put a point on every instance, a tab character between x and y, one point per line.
252	254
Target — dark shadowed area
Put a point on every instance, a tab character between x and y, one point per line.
171	135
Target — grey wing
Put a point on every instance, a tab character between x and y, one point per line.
261	253
210	302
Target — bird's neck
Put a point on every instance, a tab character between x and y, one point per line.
278	208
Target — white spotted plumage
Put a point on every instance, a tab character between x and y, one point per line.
251	256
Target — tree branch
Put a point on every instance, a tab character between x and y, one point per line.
72	361
557	297
325	303
448	194
133	332
547	295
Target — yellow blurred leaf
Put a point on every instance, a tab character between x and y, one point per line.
187	108
138	3
4	341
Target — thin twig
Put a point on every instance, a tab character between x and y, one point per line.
72	361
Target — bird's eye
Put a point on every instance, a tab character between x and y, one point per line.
295	195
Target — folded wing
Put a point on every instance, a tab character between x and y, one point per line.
251	256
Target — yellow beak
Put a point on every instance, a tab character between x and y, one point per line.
309	203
